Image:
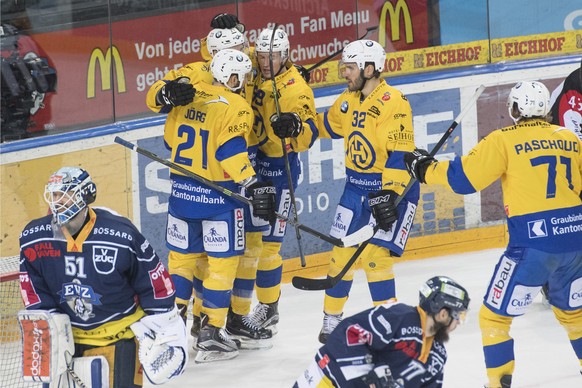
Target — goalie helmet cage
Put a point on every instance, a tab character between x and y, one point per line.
10	336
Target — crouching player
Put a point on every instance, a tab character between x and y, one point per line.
393	345
91	285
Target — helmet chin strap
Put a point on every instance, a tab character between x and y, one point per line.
363	77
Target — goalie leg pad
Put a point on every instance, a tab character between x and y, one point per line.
88	372
47	344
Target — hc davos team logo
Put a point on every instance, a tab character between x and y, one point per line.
537	229
360	151
104	259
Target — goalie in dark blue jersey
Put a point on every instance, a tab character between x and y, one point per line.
96	283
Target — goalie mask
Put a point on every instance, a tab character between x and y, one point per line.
443	292
223	38
68	191
531	99
229	62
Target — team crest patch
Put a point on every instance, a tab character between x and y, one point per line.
104	258
356	335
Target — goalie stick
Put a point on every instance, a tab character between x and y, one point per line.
284	148
338	52
310	284
355	238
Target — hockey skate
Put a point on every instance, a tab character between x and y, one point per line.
195	329
241	328
265	316
505	381
214	344
330	322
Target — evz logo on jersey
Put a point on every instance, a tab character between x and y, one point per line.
104	258
80	298
360	151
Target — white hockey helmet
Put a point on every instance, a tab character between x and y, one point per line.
280	42
228	62
531	98
364	51
223	38
68	191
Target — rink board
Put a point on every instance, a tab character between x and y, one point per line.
137	187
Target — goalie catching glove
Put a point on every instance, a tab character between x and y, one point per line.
286	124
417	162
163	345
178	92
383	208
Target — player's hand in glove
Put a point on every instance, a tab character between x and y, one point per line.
383	208
380	377
287	124
227	20
304	73
417	162
178	92
262	195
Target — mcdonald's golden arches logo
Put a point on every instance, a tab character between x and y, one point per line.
107	62
394	12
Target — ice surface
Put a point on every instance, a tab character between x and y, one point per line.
544	357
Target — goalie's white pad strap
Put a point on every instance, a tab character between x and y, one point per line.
90	372
47	344
163	345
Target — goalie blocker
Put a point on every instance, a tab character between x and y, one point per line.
47	353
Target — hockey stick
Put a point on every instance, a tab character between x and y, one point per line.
284	147
353	239
333	55
324	284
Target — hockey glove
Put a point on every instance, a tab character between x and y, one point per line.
417	162
304	73
380	377
227	20
287	124
163	345
178	92
383	208
262	196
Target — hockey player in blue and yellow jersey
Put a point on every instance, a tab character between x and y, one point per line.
540	167
177	86
96	267
210	140
393	345
375	121
296	126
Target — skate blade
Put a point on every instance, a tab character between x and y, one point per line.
253	344
273	329
204	356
